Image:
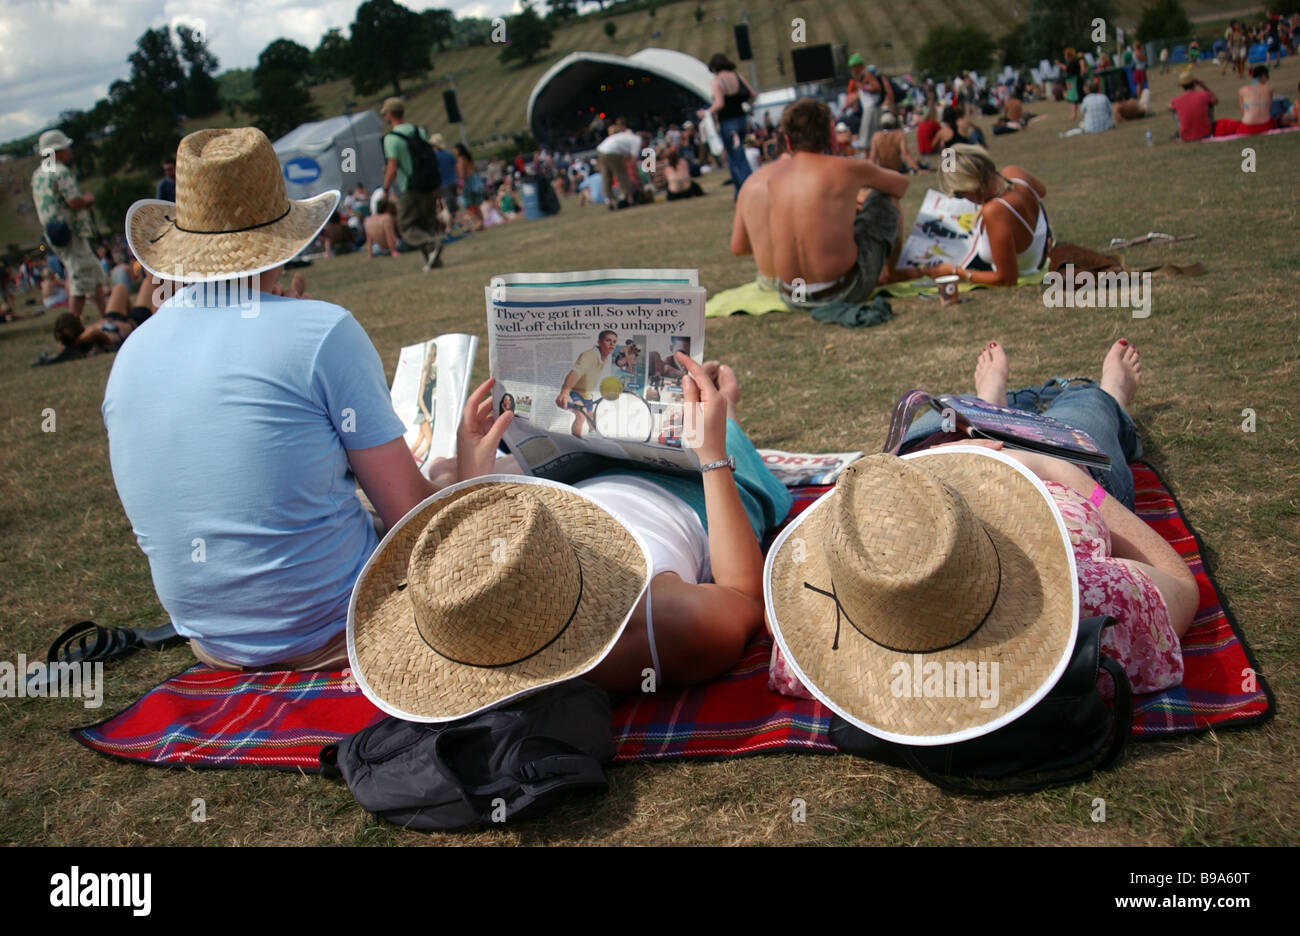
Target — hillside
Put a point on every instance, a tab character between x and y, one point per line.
494	98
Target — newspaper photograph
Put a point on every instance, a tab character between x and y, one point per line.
944	231
589	370
429	390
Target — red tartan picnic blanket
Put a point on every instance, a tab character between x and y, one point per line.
212	718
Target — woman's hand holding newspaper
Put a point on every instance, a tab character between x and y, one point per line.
705	419
479	434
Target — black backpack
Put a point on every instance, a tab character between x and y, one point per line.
496	766
1067	736
425	176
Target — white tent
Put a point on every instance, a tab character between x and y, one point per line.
332	154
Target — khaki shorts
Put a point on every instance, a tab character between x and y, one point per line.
82	266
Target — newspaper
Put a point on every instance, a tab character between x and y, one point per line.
610	337
429	390
804	469
944	231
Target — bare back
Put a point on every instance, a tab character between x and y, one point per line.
1256	100
887	149
811	203
752	226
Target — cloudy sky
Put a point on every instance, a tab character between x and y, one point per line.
58	55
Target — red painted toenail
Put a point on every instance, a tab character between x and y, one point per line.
1124	341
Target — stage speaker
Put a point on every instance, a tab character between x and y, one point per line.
743	50
814	63
449	102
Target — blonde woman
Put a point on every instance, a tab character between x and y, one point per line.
1012	233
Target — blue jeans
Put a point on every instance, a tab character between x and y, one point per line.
733	139
1082	404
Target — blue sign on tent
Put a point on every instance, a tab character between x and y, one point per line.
302	170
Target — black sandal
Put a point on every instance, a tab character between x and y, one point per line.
87	642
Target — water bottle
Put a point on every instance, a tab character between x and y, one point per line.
1148	138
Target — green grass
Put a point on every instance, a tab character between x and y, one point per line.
1212	346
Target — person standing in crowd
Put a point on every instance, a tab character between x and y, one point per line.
612	156
61	206
167	184
446	169
1073	81
730	93
471	186
417	212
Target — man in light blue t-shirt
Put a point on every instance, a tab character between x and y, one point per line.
240	421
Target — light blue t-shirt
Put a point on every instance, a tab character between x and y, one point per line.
594	186
228	439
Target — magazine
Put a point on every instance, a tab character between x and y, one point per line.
429	390
586	362
976	418
805	469
944	231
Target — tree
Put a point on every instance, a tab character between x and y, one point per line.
527	36
610	28
145	128
699	13
1164	19
389	43
652	6
561	10
1012	46
472	32
950	49
202	95
156	64
1055	25
440	27
281	100
332	58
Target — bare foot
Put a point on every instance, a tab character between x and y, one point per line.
1121	372
991	370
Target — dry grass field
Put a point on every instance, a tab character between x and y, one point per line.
1212	346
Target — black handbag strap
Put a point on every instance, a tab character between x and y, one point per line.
1123	721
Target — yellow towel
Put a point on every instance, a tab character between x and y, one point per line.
756	298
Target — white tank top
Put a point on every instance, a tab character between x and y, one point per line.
670	528
1032	257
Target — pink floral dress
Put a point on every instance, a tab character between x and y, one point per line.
1142	639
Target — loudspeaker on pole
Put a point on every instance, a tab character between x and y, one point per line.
743	50
453	109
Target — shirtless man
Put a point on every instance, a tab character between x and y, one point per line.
750	233
824	248
381	231
889	146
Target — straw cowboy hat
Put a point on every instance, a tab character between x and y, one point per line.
956	557
231	217
489	590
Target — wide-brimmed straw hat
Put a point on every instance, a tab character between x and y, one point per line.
489	590
894	595
231	217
